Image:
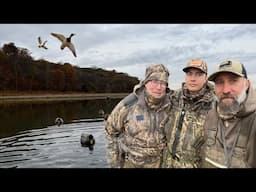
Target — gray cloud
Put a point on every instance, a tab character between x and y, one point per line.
129	48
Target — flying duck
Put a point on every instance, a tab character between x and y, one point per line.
41	43
65	42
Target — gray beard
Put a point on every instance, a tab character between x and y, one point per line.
227	111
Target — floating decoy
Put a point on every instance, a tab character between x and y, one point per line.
41	43
103	114
65	42
59	121
87	140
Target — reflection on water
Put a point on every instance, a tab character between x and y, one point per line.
29	137
55	147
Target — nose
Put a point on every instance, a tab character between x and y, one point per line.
159	86
193	78
226	88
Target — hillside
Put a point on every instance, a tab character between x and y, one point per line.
19	72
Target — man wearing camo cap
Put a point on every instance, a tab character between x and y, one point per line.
190	105
134	129
231	124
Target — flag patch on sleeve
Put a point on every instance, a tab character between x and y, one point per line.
139	117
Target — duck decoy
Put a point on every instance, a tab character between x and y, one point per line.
59	121
65	42
103	114
41	43
87	140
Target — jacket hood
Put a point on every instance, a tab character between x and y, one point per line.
249	105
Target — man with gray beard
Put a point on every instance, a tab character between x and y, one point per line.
231	125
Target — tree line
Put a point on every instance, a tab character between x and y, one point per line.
20	72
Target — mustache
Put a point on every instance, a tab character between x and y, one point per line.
226	96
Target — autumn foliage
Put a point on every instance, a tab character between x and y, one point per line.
19	72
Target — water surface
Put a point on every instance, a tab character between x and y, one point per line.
29	137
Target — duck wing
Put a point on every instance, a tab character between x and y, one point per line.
61	37
44	43
44	46
39	40
72	48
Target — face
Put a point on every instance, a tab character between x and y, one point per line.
231	91
195	79
156	88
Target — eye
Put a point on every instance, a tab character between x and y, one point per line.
218	82
189	73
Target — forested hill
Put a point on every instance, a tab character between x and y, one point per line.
20	72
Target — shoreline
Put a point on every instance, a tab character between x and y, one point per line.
60	97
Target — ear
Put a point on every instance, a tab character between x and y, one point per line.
248	83
206	78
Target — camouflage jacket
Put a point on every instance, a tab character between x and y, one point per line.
185	131
240	137
135	133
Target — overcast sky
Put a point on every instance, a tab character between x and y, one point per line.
130	48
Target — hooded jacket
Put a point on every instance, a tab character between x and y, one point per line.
241	139
135	132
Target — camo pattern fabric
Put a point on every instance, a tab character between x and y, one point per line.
215	158
135	132
244	155
156	71
213	150
184	145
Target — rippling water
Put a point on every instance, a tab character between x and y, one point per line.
55	147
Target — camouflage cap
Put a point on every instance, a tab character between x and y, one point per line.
197	64
230	66
156	72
